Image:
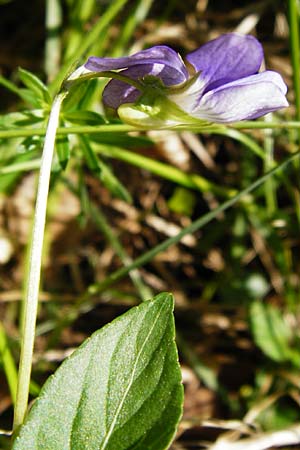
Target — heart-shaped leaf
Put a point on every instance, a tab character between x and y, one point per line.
120	390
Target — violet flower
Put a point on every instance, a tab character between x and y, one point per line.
221	85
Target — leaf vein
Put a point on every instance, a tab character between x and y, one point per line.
111	428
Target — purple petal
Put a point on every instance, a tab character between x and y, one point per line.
160	54
117	92
227	58
248	98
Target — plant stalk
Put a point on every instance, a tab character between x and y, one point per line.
34	265
124	128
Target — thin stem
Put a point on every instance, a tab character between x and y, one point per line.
270	187
124	128
88	129
295	50
73	80
262	125
293	12
34	268
53	41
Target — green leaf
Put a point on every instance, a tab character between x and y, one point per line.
35	85
271	333
21	118
25	94
81	96
63	150
120	390
84	117
9	180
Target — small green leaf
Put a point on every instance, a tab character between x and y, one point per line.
25	94
21	118
81	96
30	97
120	390
35	85
271	333
9	180
63	150
84	117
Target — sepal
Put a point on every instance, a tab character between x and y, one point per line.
158	112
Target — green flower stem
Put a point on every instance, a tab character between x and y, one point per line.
293	16
105	74
293	10
194	226
270	186
124	128
34	266
89	129
263	125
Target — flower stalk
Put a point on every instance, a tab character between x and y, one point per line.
13	133
34	267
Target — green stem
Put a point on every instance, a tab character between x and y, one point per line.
194	226
53	43
295	50
34	268
88	129
262	125
75	79
124	128
293	12
270	187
